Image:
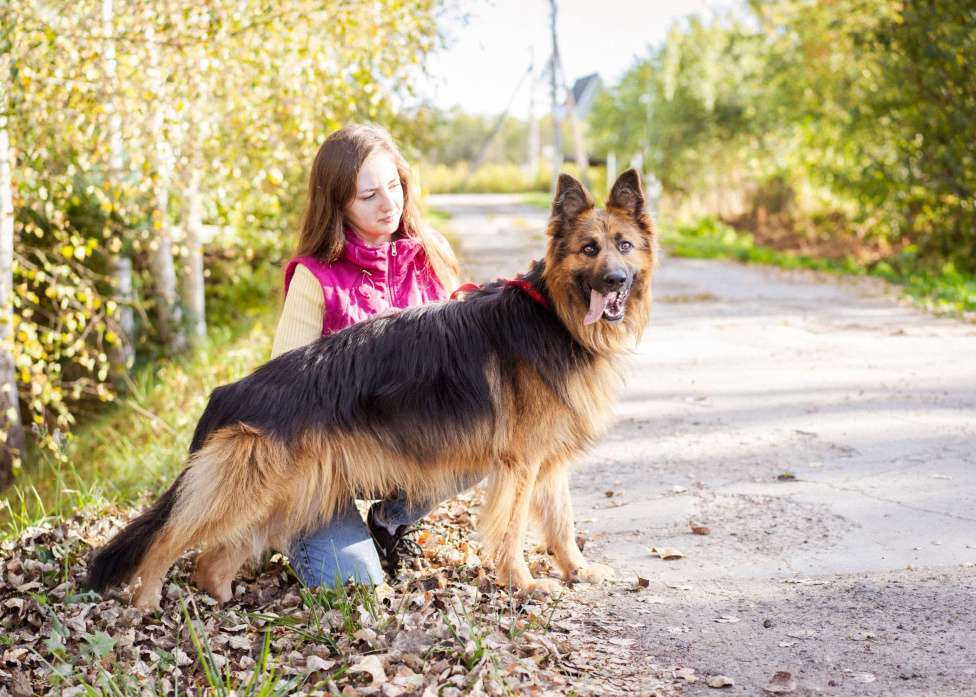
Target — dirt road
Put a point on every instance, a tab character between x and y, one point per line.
826	435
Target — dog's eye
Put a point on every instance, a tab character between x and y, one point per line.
625	246
590	250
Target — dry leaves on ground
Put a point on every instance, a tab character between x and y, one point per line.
782	682
443	628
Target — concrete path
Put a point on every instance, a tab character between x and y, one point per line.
823	432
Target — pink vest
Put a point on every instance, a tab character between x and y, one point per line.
366	281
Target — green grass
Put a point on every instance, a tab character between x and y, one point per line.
943	290
140	443
537	199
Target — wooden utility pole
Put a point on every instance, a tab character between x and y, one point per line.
532	161
557	134
556	74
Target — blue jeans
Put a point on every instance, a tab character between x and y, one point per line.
343	548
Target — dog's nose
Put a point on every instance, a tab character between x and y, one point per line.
614	279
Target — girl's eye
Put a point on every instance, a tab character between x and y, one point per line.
590	250
395	184
625	246
366	198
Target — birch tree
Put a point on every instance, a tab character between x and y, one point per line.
121	352
11	430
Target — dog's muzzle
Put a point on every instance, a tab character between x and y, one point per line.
609	302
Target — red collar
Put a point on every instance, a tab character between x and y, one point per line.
529	290
518	282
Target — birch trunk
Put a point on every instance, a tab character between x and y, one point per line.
11	429
193	288
168	310
122	354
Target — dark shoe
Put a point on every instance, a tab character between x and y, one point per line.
391	547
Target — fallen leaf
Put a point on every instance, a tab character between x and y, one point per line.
787	644
781	683
806	581
373	666
679	587
720	681
686	674
315	663
676	489
786	476
726	619
642	582
801	633
666	553
697	529
862	635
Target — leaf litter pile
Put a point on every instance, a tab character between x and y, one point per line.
443	628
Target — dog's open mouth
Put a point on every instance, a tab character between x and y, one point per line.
609	305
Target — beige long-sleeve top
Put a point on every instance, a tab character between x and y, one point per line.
302	315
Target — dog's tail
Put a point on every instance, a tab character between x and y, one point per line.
222	498
115	562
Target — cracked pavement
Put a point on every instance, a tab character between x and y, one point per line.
825	433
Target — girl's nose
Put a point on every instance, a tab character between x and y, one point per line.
386	200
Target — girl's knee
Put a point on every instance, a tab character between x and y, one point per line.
340	551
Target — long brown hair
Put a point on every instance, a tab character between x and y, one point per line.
332	185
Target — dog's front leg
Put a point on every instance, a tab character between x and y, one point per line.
552	507
503	523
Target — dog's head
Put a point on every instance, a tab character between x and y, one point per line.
599	262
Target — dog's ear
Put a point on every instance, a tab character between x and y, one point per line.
627	195
571	199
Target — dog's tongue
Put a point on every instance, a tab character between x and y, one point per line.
598	303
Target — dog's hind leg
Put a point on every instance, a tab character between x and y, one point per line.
217	567
226	490
503	522
552	508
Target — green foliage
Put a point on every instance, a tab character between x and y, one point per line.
454	136
240	93
139	443
944	290
501	178
860	112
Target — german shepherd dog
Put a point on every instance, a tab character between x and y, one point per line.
511	381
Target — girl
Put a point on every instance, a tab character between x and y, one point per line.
363	249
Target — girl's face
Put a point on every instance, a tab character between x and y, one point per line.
375	209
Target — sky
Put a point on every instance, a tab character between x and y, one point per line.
489	53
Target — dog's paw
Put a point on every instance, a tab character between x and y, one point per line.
519	580
146	600
542	586
219	589
593	573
